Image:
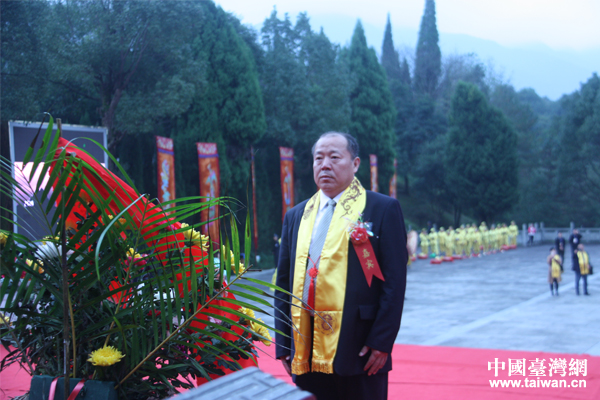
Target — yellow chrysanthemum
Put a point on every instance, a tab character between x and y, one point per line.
37	266
53	239
195	238
131	253
6	320
262	331
247	311
233	261
121	221
105	356
3	237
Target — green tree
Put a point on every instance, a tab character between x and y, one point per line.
287	109
531	153
373	113
431	182
459	68
131	58
328	88
24	71
399	83
228	110
390	60
428	62
306	93
579	165
481	157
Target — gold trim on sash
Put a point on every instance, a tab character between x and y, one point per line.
330	286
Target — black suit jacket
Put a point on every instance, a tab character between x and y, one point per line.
574	241
371	314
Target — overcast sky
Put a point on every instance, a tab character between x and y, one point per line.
559	24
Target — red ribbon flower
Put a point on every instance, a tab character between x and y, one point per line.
359	235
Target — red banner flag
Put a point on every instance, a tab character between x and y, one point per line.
165	164
254	202
394	182
208	164
287	177
373	162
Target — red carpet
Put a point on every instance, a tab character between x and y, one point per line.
428	372
435	372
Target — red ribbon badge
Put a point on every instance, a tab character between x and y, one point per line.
364	250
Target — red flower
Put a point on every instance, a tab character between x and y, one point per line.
359	235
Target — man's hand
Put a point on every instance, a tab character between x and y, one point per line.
376	361
285	360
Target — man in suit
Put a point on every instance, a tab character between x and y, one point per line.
344	328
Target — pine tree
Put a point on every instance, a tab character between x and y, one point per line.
579	146
328	87
399	83
389	56
373	112
481	157
428	63
405	73
228	111
306	93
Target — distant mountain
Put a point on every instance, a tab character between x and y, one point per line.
549	72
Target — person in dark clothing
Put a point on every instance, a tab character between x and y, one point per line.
559	245
574	241
276	249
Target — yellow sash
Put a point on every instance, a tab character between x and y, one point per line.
330	285
556	266
584	262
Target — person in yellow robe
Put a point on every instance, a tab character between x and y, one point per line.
555	269
492	233
470	239
582	269
499	237
424	239
476	242
513	233
433	243
505	241
457	245
484	237
450	242
462	240
442	241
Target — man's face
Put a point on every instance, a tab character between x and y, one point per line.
333	166
575	231
559	234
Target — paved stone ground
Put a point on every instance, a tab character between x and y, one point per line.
500	301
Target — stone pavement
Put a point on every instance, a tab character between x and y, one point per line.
500	301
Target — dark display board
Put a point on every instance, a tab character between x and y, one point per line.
28	218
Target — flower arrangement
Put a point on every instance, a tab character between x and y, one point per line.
121	290
360	231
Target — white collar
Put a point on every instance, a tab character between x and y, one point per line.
325	199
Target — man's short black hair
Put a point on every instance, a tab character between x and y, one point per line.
552	248
352	143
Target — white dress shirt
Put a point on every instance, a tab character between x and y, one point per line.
323	202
